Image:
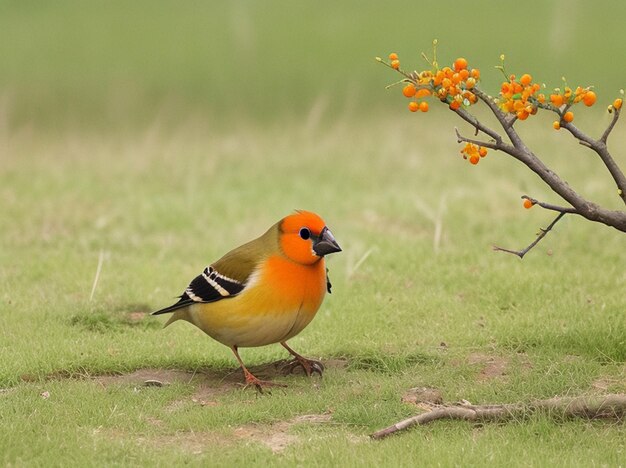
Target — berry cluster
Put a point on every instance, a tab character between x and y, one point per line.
473	152
567	98
451	85
454	85
520	97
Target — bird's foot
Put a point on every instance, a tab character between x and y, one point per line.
310	366
260	385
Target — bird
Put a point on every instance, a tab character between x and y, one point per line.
263	292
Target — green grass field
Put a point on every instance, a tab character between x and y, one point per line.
156	162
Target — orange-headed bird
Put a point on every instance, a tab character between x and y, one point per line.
263	292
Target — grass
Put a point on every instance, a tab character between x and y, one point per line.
160	204
144	140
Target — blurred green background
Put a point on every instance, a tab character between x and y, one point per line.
114	63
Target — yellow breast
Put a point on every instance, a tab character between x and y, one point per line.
279	301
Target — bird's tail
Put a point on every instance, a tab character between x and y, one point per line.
178	314
175	316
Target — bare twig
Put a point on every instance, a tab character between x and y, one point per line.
494	145
541	235
470	119
608	130
599	146
549	206
612	406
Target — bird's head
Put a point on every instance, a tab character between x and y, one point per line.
304	237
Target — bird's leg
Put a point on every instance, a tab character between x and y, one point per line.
309	365
250	378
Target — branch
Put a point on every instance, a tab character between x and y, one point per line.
608	130
541	235
474	122
507	124
612	406
496	145
549	206
599	145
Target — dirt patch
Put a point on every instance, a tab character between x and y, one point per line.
491	366
276	436
141	376
209	384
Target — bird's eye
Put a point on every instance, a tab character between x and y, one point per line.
305	233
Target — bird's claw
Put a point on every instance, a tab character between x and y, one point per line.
262	386
309	366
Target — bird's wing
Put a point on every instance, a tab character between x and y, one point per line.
230	275
225	278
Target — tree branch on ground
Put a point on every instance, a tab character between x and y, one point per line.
612	406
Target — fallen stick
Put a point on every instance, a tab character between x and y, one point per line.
611	406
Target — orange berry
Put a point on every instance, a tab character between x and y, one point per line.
528	204
395	64
589	99
464	74
556	99
460	64
423	92
475	73
438	78
482	151
617	103
522	114
568	116
409	90
393	56
423	106
470	83
454	105
525	79
474	159
556	125
413	106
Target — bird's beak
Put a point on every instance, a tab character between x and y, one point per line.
325	244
